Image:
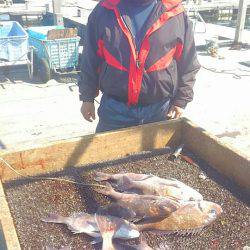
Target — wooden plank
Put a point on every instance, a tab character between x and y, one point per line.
8	229
2	239
220	156
91	149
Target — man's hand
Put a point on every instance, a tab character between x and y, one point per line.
175	112
88	111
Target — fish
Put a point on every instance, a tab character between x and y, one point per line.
110	226
144	206
190	219
116	210
153	185
86	223
77	223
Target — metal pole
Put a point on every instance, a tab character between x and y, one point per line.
240	21
58	17
56	6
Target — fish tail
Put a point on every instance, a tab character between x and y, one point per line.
55	218
100	176
107	229
108	244
108	190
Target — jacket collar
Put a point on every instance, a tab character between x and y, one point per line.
169	4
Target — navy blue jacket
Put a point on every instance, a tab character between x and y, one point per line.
164	65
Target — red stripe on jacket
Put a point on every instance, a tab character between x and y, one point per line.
138	59
111	60
165	61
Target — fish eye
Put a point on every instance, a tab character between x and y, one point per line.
213	211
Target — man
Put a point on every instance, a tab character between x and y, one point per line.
141	55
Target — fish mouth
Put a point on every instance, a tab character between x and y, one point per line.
220	210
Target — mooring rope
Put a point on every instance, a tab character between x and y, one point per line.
49	178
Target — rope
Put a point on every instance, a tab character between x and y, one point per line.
49	178
235	75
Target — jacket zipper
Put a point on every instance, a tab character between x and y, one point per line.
137	60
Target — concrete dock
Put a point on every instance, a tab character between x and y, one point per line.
207	31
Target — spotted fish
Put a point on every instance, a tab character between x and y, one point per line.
189	219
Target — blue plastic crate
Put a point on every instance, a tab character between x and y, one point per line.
13	42
60	53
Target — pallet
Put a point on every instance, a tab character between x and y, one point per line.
89	149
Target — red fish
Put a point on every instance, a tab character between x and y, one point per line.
189	219
77	223
153	185
144	206
110	226
86	223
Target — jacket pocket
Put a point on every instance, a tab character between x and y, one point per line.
103	74
172	71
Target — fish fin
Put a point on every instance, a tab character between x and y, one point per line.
116	210
139	219
145	177
97	240
55	218
188	232
107	227
168	206
106	224
125	184
78	214
73	230
93	226
90	228
100	176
